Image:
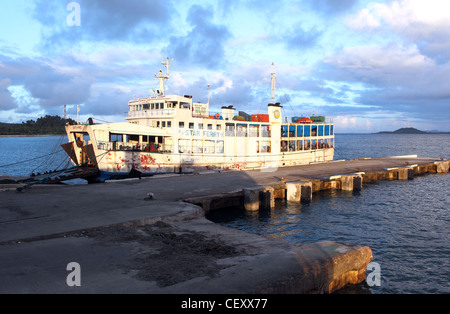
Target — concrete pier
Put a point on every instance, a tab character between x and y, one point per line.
128	242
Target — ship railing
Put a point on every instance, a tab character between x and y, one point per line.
152	113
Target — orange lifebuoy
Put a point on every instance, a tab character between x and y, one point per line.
217	116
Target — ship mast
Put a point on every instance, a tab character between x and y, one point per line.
272	91
162	77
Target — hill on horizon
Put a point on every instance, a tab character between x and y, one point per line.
405	131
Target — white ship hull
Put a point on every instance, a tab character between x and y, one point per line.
173	134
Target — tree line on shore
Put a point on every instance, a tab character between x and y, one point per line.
48	125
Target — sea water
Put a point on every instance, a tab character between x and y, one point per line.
405	223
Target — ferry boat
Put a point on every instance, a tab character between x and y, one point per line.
173	134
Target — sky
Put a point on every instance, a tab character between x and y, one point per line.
368	65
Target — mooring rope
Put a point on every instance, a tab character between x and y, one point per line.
35	158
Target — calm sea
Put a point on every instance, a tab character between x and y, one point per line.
405	223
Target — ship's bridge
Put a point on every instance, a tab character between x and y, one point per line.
164	107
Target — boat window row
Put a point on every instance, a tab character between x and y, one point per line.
141	143
159	105
187	146
199	126
247	130
299	145
306	130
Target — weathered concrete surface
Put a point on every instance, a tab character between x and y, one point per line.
122	239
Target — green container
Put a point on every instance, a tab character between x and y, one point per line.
318	118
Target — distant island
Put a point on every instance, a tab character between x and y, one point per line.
410	131
48	125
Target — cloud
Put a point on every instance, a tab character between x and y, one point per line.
107	101
204	44
424	23
332	6
102	20
6	100
15	69
301	38
56	89
396	79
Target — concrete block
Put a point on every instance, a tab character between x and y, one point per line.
347	183
251	198
299	191
442	166
293	192
357	183
306	192
351	182
267	198
402	174
393	174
